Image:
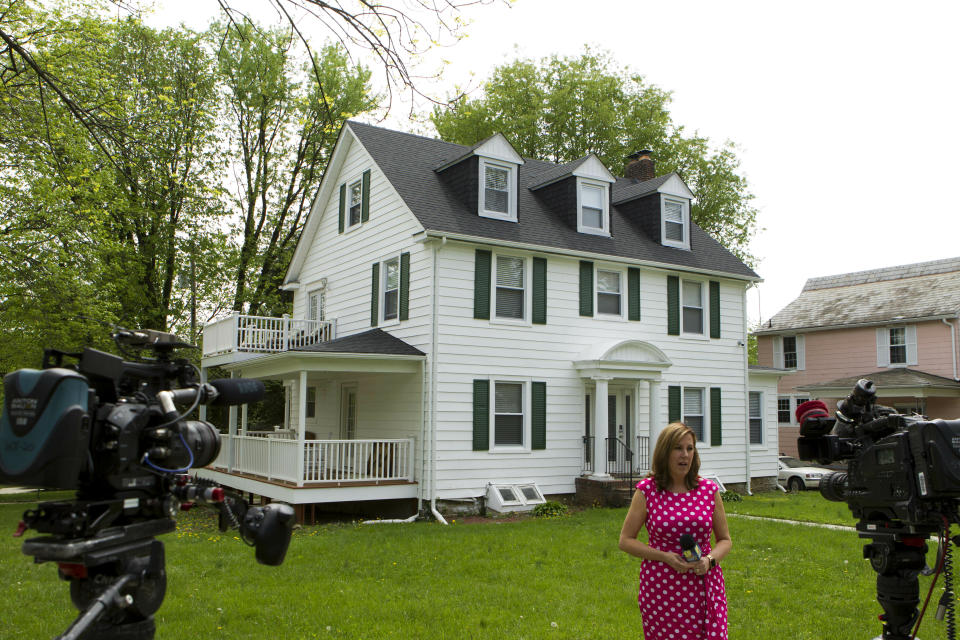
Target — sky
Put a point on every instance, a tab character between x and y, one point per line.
845	113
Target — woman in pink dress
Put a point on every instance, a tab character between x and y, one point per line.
679	599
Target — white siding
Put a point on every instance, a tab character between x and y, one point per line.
470	349
763	458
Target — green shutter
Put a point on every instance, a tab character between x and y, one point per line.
481	415
714	309
375	295
540	291
343	205
673	405
633	293
365	201
716	436
481	285
673	305
538	424
404	286
586	288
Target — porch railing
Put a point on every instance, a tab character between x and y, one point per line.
323	460
261	334
621	459
642	453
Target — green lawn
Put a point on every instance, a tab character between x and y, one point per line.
555	578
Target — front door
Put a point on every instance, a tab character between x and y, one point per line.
348	412
619	425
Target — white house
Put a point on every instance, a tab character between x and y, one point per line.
464	317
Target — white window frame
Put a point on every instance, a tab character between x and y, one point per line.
885	347
795	401
604	188
525	430
382	302
703	416
778	353
623	291
511	214
527	290
790	417
685	216
348	225
751	418
320	294
704	311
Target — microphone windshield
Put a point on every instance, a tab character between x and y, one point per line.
691	550
687	541
232	391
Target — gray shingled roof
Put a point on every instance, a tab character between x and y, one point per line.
893	294
630	192
373	341
890	379
557	172
408	161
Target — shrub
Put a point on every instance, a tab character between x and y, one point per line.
550	509
731	496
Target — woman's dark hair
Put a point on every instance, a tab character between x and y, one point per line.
669	438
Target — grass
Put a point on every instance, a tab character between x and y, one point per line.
805	506
535	578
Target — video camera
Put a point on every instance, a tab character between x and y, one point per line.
110	429
902	483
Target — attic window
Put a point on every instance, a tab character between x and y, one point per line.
593	214
498	195
675	229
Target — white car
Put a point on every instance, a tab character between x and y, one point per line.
796	475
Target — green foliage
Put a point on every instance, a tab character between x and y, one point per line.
550	509
561	109
731	496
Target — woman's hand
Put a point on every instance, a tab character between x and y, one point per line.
676	562
701	566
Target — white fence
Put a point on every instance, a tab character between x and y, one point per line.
323	460
261	334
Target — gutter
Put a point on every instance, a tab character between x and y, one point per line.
746	395
586	254
432	486
953	344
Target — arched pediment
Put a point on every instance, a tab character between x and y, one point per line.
623	358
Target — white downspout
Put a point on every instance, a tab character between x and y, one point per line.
746	393
953	344
433	381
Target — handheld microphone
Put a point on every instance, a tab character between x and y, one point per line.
691	550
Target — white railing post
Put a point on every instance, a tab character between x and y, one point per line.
411	458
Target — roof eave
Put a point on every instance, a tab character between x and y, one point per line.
854	325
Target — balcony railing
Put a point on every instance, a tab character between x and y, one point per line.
260	334
333	461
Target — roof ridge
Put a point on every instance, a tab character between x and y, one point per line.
898	272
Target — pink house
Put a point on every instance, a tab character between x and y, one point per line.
897	326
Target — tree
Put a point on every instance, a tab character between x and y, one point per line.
283	121
560	109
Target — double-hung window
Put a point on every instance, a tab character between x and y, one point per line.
756	417
693	410
508	413
593	215
391	288
355	192
316	304
609	292
789	352
498	197
510	288
898	345
783	410
675	229
692	307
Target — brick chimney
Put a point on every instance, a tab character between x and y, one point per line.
639	166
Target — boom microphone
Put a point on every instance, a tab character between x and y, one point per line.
233	391
691	550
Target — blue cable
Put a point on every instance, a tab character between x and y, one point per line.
146	459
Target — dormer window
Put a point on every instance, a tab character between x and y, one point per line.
676	223
593	214
498	192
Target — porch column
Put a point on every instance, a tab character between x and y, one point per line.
301	425
635	414
600	429
202	413
232	431
655	426
244	415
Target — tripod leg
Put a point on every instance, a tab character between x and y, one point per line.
110	598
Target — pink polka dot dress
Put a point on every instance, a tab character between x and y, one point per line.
680	606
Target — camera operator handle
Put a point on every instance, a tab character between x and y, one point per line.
101	604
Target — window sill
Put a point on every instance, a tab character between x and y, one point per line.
388	323
503	450
593	232
348	228
610	316
702	337
494	215
511	323
676	245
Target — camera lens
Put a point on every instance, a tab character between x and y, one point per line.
833	486
203	440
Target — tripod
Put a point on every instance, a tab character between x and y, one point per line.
117	578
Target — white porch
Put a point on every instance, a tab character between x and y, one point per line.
239	337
